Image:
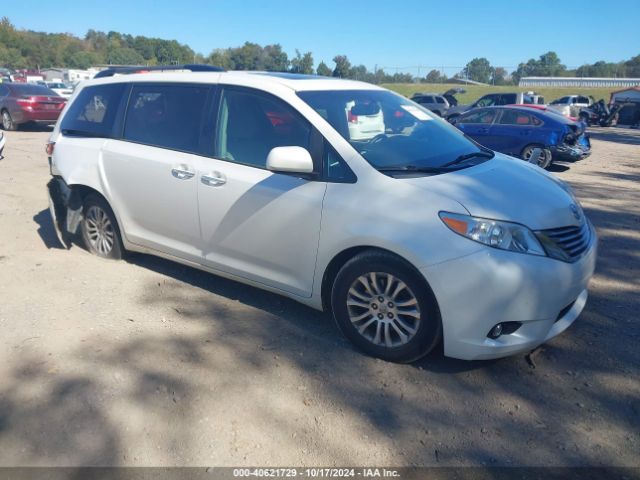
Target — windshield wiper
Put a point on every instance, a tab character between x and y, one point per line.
467	156
414	168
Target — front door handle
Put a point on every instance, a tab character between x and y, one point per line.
483	130
182	172
213	179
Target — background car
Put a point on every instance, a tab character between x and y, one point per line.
497	99
22	103
61	89
571	105
518	131
365	120
432	101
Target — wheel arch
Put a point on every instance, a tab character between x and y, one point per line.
340	259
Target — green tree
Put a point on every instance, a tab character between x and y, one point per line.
343	66
302	63
125	56
478	69
434	76
324	70
498	76
84	60
275	59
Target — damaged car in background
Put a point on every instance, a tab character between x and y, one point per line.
496	100
518	131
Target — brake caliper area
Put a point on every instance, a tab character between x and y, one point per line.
65	205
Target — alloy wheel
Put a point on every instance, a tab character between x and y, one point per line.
6	120
383	309
100	231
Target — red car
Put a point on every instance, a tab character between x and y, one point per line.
24	103
544	108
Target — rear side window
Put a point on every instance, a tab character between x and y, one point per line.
94	111
167	116
439	99
515	117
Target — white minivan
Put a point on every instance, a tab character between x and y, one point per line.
409	236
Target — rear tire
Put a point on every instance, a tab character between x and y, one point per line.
7	121
544	162
385	307
100	231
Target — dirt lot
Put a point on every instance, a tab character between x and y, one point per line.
146	362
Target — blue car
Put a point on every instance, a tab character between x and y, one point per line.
517	131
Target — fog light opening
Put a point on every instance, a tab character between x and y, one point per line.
495	332
503	328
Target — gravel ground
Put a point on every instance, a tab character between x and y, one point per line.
146	362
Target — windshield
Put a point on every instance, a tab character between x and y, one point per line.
390	131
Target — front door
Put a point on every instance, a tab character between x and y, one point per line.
257	224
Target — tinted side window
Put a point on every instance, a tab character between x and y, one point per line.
514	117
583	100
486	101
482	116
507	99
94	110
335	167
439	99
250	124
168	116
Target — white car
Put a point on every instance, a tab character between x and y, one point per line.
410	237
61	89
570	105
365	120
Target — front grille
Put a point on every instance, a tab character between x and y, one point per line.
566	243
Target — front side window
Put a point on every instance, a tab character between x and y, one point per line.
94	111
388	130
561	101
485	117
250	124
439	99
168	116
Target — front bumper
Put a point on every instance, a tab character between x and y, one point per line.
478	291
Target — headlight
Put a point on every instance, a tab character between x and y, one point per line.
494	233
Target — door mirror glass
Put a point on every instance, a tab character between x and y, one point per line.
290	159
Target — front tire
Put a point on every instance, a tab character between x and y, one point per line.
100	230
7	121
385	307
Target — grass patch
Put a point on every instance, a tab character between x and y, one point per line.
476	91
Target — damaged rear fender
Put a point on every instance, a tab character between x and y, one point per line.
65	205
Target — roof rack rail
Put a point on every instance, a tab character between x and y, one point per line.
111	71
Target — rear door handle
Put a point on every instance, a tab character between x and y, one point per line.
213	179
182	172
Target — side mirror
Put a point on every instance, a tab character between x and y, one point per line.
290	159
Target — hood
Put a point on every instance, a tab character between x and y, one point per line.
505	188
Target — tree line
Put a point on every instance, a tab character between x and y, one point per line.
38	50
